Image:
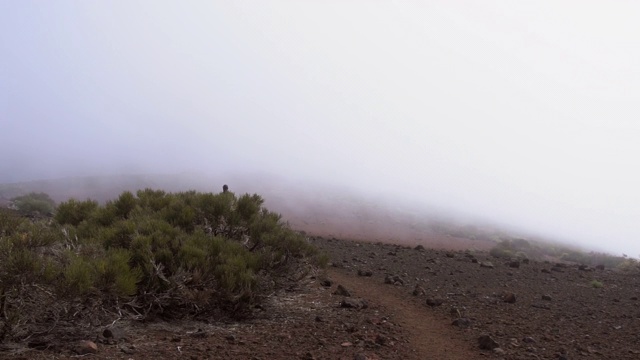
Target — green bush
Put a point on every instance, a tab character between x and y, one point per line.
73	212
157	252
34	204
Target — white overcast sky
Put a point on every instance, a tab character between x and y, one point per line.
526	112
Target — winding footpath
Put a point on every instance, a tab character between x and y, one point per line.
429	337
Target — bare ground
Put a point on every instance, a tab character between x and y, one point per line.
556	313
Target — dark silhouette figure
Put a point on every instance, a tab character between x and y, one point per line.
225	188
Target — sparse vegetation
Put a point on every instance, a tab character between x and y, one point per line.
152	253
520	248
34	204
596	284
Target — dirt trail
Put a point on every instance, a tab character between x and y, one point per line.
429	336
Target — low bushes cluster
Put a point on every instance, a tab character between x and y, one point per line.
34	204
145	254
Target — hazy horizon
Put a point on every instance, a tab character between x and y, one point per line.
524	113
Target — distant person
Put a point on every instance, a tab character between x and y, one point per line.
225	188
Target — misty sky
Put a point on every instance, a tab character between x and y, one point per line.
526	112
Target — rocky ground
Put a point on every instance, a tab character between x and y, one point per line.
521	310
385	301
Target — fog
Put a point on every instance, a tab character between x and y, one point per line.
524	113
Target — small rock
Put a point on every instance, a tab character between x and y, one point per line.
487	343
434	302
198	334
354	303
129	350
342	291
393	279
114	333
499	351
450	255
418	290
514	264
230	338
85	347
419	248
546	297
462	322
509	298
487	264
367	273
381	339
528	340
326	282
346	344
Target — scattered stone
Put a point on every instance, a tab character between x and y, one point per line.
509	298
499	351
462	323
326	282
528	340
114	333
198	334
382	340
434	302
546	297
393	280
319	319
487	264
127	349
546	271
367	273
419	248
514	264
541	306
346	344
230	338
86	347
352	303
418	290
450	255
487	343
342	291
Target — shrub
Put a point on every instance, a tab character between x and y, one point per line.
500	252
156	252
73	212
34	204
596	284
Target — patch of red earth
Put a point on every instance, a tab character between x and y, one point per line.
387	232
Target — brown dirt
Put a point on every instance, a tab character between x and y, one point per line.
576	320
